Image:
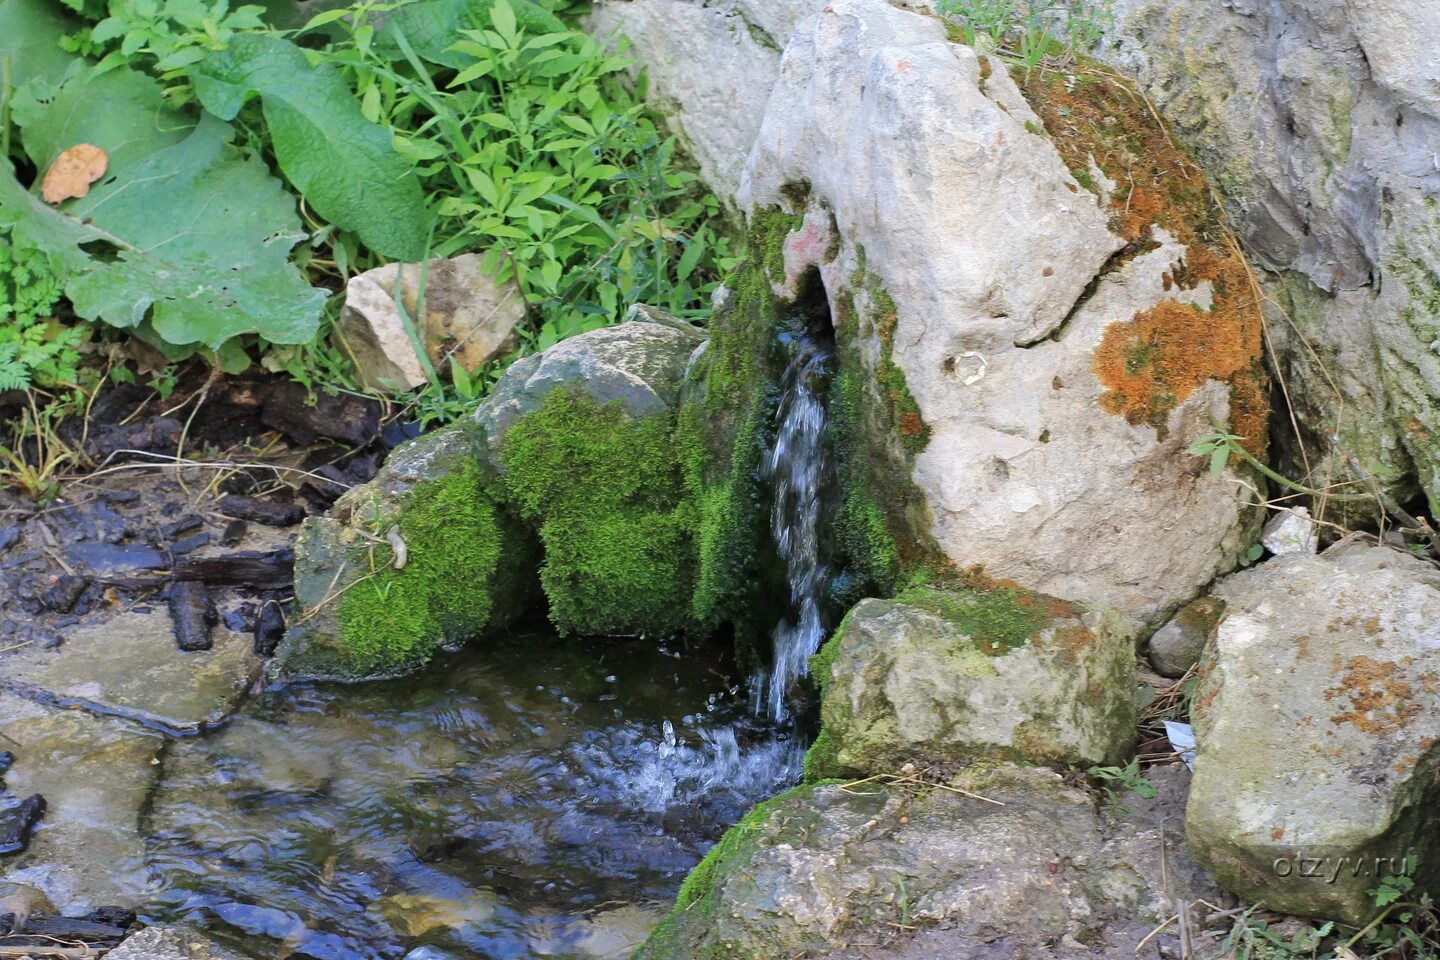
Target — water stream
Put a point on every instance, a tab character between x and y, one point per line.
531	798
799	469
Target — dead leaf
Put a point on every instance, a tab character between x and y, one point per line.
72	173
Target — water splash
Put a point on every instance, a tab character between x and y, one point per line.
799	467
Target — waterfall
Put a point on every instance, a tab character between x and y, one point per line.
799	467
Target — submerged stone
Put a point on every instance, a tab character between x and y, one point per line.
171	943
940	676
1318	725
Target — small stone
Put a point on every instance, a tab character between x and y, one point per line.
18	820
1291	531
61	596
267	512
1178	646
467	315
269	628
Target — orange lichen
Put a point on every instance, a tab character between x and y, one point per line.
1380	701
1152	362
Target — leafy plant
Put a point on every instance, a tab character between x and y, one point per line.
35	455
35	347
1127	777
172	34
1027	31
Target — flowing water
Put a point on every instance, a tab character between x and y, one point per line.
532	798
799	469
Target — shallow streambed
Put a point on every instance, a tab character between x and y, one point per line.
533	798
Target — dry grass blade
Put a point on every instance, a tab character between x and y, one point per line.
916	780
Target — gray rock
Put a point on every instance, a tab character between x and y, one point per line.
710	67
171	943
821	868
948	677
1177	647
876	113
1291	531
468	318
1318	121
1318	725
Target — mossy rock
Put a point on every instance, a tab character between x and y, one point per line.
981	670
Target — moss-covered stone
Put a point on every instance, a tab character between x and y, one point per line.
612	511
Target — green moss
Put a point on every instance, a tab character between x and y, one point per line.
606	494
395	620
998	618
822	762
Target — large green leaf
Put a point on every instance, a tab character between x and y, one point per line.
345	166
431	27
30	32
194	239
120	111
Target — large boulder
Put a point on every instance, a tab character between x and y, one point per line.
1318	724
709	68
1318	121
1049	341
998	861
941	676
375	586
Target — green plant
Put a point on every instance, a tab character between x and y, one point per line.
1028	31
1127	777
35	347
171	34
36	454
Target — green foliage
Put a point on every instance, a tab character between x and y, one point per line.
606	494
35	348
190	242
1029	31
344	165
394	620
1128	777
171	34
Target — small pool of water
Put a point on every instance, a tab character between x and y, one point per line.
530	798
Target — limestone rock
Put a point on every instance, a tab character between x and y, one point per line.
171	943
1178	646
1291	531
819	868
952	676
991	310
710	67
638	363
1318	725
1318	121
469	318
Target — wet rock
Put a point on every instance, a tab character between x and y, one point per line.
127	666
269	628
192	613
61	596
1291	531
18	820
261	511
467	315
9	536
112	561
96	775
19	902
1318	725
171	943
949	676
822	867
1176	647
234	532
